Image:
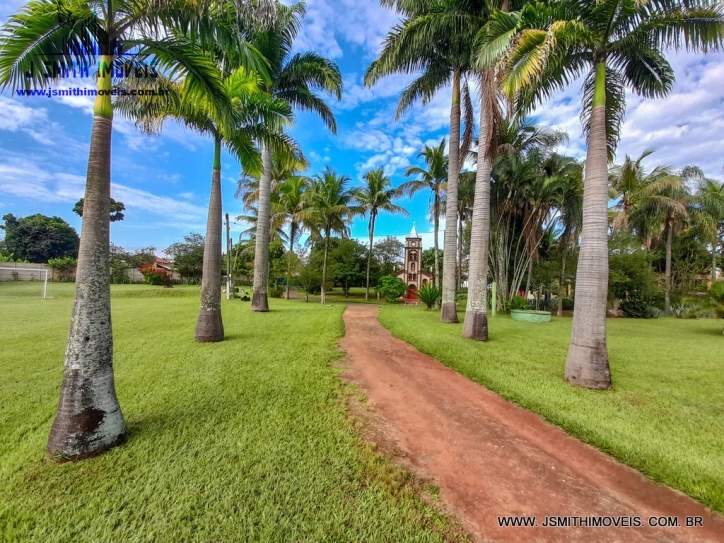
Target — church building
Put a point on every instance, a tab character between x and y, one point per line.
412	273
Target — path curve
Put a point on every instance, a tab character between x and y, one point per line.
491	458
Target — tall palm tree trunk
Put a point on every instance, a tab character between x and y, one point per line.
373	216
587	362
449	310
459	277
713	262
292	236
475	325
436	222
89	419
323	297
561	287
669	240
259	301
209	326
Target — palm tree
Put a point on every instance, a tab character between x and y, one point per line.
432	178
377	195
289	207
618	44
668	207
635	187
53	35
254	116
427	41
709	214
293	78
329	209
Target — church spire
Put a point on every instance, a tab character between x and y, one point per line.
413	232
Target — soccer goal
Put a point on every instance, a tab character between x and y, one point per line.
27	280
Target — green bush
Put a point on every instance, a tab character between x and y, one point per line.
391	287
276	292
567	304
637	308
428	294
518	302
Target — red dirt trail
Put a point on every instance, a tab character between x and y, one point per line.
491	458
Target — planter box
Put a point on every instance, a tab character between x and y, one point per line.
530	315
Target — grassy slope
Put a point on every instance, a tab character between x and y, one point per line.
244	440
665	416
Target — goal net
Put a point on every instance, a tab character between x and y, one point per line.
23	282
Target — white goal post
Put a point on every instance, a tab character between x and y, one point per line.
28	274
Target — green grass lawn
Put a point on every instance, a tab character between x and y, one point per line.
665	416
243	440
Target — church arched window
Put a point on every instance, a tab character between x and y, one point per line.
412	267
413	256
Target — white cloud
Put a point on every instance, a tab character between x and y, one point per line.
24	179
361	25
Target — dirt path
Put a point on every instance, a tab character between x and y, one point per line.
491	458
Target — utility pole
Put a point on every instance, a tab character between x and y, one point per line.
228	259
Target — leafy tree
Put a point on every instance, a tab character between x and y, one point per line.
117	209
63	265
630	273
616	44
293	79
430	257
38	238
348	263
188	256
709	213
375	196
51	35
120	260
391	287
389	252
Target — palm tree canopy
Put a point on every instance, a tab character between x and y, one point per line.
378	194
331	204
433	177
294	78
547	45
62	35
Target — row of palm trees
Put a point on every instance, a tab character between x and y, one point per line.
526	51
229	73
322	205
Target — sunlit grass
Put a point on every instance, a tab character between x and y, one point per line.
664	417
243	440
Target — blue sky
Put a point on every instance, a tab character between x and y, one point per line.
164	181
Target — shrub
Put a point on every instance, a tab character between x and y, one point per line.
63	265
518	302
567	304
276	292
637	308
428	295
157	276
391	287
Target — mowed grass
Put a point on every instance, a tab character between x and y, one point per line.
665	416
243	440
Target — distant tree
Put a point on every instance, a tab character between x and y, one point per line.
428	260
389	252
120	260
38	238
188	256
377	195
348	264
117	209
